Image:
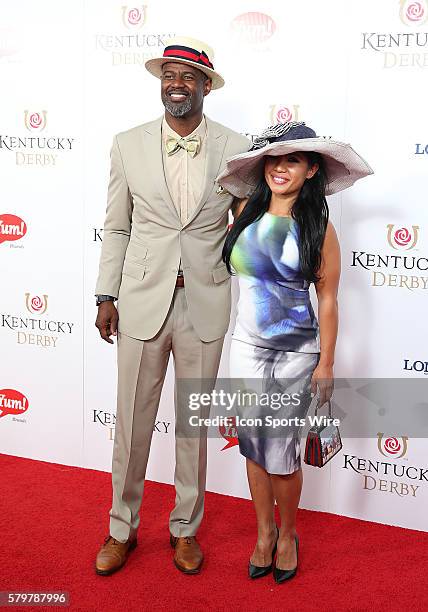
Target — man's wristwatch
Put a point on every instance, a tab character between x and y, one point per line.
104	298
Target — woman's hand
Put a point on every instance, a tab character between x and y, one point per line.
322	378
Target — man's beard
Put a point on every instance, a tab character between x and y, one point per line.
178	110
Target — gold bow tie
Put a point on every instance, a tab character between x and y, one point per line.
191	145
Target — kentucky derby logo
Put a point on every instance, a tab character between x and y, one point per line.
134	18
12	402
283	114
391	447
36	304
11	228
413	13
229	433
401	238
253	28
35	122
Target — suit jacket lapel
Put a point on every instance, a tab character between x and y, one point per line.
154	163
216	142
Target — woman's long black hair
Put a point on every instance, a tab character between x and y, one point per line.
310	211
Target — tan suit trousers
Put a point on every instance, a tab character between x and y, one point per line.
142	366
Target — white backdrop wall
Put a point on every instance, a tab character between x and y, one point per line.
72	75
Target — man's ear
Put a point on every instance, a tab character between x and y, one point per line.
207	86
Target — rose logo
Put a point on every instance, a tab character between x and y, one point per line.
35	121
391	446
402	238
135	17
283	114
413	13
36	304
229	433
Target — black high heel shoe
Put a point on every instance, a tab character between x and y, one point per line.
258	571
283	575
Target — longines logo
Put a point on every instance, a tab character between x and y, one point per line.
36	150
400	271
108	420
282	114
386	476
136	46
36	331
413	14
13	402
416	366
12	229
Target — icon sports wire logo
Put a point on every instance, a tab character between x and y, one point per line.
12	228
12	402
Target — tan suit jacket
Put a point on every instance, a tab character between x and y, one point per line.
144	238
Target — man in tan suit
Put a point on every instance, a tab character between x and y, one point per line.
165	226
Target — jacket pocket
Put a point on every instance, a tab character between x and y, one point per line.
133	269
220	274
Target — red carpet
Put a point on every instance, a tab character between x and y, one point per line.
54	518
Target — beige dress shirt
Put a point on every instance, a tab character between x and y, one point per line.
185	174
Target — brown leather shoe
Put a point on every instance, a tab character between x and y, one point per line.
113	555
188	554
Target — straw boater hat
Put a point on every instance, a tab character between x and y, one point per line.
343	165
187	51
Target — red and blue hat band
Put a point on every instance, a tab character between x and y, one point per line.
180	52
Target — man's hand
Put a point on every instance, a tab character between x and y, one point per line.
107	320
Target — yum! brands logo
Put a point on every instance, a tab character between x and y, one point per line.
12	402
386	475
12	228
408	49
253	28
398	270
134	18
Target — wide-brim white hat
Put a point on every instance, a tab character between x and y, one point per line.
187	51
343	165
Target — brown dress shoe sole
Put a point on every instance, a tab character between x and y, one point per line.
188	571
112	571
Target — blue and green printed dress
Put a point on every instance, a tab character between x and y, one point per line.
275	340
